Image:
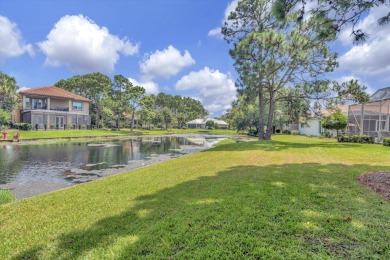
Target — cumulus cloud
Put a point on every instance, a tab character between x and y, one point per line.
216	90
371	58
84	46
166	63
149	86
216	32
22	89
11	40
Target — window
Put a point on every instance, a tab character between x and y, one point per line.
38	103
28	102
77	106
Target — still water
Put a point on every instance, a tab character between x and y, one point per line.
32	169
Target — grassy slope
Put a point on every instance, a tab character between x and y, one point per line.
105	132
6	197
294	197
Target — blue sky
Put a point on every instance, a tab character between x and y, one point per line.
171	46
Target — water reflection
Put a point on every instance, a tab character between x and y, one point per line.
32	166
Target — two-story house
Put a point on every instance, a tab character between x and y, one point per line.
52	106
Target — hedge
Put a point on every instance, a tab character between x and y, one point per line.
386	141
23	126
365	139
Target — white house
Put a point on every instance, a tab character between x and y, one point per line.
201	123
313	124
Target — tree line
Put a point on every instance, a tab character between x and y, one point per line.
114	103
120	101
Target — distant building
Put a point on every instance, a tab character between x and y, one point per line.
313	126
201	123
52	106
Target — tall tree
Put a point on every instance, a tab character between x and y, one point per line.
333	14
270	54
136	94
94	86
8	93
166	116
120	96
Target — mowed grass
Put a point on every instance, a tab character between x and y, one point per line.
294	197
53	134
6	196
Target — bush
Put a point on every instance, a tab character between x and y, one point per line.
287	132
23	126
364	139
386	141
253	132
277	131
294	132
367	139
326	134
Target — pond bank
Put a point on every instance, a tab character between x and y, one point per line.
42	166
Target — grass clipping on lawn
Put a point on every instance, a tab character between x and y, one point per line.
378	182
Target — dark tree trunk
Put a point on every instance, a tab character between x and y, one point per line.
118	122
270	117
132	120
261	115
97	119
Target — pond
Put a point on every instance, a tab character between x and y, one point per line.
31	169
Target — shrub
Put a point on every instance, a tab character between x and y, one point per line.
253	132
294	132
277	131
23	126
386	141
287	132
356	139
367	139
326	134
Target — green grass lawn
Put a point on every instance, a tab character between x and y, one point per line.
294	197
52	134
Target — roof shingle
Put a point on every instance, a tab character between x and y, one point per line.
52	91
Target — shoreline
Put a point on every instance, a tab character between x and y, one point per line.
34	186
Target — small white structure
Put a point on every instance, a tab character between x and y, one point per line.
201	123
313	125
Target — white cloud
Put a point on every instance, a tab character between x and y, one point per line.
11	40
23	88
216	90
149	86
84	46
370	59
216	32
166	63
